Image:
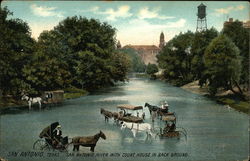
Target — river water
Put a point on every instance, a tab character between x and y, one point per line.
214	132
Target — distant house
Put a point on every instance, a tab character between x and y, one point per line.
146	52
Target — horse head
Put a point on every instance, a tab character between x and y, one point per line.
146	104
24	97
102	135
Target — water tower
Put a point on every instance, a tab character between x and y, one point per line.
201	18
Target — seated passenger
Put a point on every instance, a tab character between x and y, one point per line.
172	128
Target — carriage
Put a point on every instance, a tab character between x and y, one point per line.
48	142
128	117
171	131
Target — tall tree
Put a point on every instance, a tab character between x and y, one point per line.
175	59
223	64
16	49
200	43
240	36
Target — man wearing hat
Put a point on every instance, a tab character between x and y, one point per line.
57	133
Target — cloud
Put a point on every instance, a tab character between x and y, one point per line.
240	7
44	11
178	24
93	9
145	13
38	28
122	11
229	9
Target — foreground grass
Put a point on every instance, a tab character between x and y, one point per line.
234	102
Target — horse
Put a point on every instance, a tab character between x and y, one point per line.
87	141
107	114
32	100
134	127
151	107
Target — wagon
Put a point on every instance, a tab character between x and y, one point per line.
171	132
46	140
53	97
128	117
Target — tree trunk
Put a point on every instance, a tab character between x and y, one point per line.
237	85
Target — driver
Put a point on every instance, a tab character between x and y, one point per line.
164	107
57	134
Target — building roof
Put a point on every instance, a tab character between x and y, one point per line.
142	47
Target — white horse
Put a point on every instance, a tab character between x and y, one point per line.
32	100
137	127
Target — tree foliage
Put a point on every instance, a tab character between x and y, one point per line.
199	45
223	64
78	52
175	59
240	36
151	69
16	49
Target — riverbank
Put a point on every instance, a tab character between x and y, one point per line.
223	97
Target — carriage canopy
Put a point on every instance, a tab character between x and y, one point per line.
48	130
129	107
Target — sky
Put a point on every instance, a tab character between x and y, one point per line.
136	22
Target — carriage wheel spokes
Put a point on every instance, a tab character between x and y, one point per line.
40	145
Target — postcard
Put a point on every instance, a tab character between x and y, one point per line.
124	80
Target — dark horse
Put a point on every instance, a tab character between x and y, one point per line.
87	141
151	108
107	114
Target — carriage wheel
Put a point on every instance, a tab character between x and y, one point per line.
41	145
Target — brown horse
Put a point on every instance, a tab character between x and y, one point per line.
87	141
107	114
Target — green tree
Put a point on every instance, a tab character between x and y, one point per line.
151	70
223	64
120	65
47	70
16	49
175	59
240	36
200	43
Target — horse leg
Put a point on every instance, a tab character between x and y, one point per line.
77	147
74	148
92	148
134	133
40	105
29	105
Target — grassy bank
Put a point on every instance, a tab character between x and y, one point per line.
234	102
70	93
6	102
223	97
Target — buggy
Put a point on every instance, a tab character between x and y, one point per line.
49	142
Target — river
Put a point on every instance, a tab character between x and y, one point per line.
214	132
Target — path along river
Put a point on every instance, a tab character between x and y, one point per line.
213	131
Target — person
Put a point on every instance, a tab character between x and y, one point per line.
57	135
166	128
172	128
164	107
